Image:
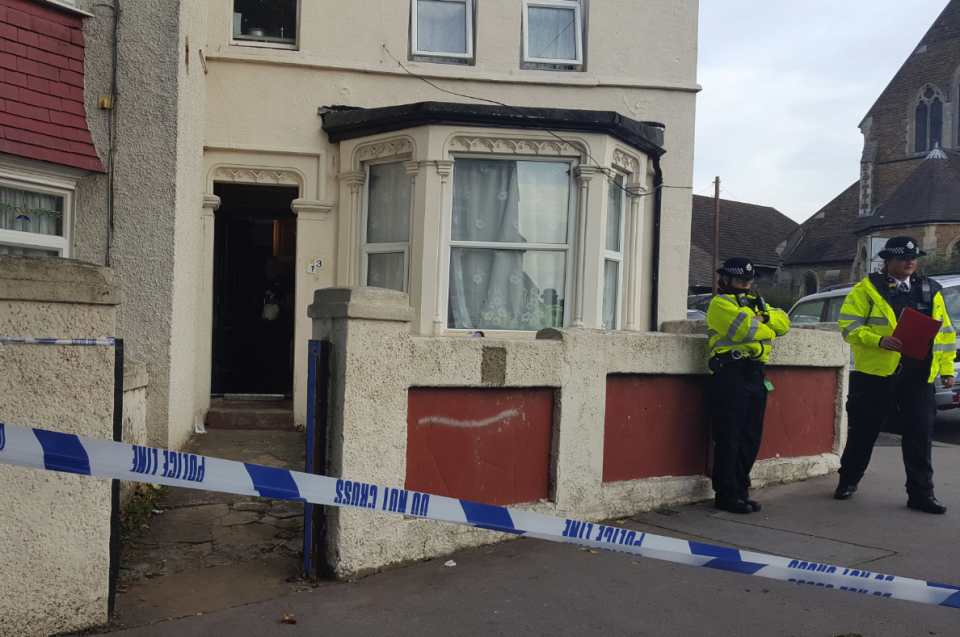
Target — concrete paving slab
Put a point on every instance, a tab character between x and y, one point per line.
212	589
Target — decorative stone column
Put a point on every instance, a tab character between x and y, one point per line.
585	175
632	289
350	231
211	203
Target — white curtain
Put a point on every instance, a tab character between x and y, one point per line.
442	26
33	213
388	211
552	33
497	288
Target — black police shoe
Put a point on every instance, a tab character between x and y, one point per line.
845	491
745	497
926	504
733	505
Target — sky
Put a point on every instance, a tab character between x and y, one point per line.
785	85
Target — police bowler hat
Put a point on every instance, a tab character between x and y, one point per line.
901	247
741	267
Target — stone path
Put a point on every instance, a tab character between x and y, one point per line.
200	539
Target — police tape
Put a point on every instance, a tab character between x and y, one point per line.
54	451
107	341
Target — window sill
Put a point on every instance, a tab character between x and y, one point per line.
66	8
263	45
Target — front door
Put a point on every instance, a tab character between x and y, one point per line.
253	291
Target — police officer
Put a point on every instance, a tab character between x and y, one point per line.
884	379
741	330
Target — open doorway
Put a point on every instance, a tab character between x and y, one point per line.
253	291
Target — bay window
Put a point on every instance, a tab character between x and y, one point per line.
387	226
441	30
613	255
510	244
553	32
33	220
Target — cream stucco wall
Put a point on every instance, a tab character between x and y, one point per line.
376	360
55	527
261	112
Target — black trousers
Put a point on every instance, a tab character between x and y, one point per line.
869	401
738	402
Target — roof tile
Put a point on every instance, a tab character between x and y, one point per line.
28	111
745	230
27	37
42	114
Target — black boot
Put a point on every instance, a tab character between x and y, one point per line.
754	505
845	491
733	505
927	504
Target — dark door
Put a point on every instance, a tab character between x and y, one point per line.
252	347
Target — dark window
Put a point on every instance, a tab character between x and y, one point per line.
921	128
936	123
833	309
810	285
271	21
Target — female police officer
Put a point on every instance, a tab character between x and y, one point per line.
741	330
883	378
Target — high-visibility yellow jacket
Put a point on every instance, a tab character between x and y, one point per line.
733	325
866	317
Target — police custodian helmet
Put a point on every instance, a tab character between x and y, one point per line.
901	247
741	267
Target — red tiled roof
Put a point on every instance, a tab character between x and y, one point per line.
42	115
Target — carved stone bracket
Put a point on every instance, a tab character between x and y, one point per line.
211	203
444	169
311	208
353	179
636	188
548	147
586	173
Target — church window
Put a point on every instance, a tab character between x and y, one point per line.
929	121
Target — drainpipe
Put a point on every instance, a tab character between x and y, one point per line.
657	210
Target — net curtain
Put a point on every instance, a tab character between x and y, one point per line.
488	287
29	212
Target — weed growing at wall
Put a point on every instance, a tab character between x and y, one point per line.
134	517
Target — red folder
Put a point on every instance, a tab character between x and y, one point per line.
916	331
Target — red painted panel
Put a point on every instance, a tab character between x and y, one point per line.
800	412
655	426
485	445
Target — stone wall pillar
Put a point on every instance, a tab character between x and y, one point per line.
367	427
55	527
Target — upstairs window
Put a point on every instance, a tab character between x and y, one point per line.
387	227
33	222
553	32
271	23
441	30
510	248
929	122
613	256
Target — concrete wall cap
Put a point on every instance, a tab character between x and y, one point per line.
371	303
56	280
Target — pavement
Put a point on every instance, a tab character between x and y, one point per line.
204	550
534	587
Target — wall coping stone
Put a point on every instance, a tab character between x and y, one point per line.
377	304
135	374
45	279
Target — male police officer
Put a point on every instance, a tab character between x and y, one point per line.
883	378
742	330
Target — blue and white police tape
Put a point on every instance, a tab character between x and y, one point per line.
41	449
109	341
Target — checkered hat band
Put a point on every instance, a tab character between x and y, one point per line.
900	250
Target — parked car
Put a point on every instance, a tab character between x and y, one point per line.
824	307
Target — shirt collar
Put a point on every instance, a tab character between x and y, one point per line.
899	283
